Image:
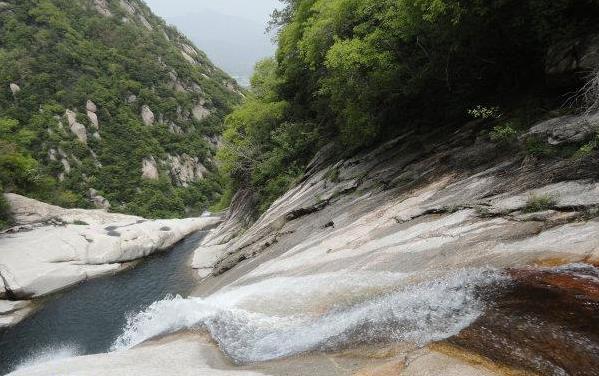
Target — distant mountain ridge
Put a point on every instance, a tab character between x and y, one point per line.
102	104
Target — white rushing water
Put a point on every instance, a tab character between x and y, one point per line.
283	316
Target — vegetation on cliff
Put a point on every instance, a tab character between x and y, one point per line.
360	71
94	90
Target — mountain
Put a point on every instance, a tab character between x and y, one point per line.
239	45
102	104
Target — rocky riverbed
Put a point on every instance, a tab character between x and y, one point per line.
427	256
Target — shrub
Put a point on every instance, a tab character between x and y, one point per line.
484	113
504	134
538	203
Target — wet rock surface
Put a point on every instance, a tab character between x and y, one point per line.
547	322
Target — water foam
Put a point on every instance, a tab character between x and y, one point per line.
50	354
396	311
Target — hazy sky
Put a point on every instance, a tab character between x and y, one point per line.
231	32
253	10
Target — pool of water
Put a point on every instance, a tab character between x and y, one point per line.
88	318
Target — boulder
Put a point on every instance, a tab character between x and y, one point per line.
566	129
66	165
13	312
188	58
99	201
185	169
91	106
15	89
147	115
200	112
77	128
93	118
149	169
131	99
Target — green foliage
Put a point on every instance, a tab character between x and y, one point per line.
504	134
538	203
5	217
356	72
588	148
63	53
484	113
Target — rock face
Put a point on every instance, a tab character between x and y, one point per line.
102	8
567	129
63	247
147	115
149	169
15	89
185	169
567	58
200	112
77	129
99	201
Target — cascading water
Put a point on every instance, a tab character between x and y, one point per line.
280	317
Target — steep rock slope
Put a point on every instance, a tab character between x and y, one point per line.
417	208
102	104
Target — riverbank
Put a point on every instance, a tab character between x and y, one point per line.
51	249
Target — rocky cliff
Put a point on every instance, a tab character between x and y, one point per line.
102	95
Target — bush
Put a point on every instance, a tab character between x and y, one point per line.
538	203
504	134
5	216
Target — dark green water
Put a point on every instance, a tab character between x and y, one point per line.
88	318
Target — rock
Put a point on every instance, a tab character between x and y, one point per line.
15	89
13	312
91	106
200	112
66	165
566	129
180	355
188	58
127	7
99	201
175	129
102	8
147	115
76	128
52	154
189	50
49	258
185	169
149	169
145	22
567	59
131	99
93	118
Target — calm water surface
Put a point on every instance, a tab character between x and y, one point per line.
88	318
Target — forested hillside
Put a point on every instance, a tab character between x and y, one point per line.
358	72
102	104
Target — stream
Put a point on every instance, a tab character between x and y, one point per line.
88	319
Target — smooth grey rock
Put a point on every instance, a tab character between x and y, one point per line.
14	88
76	128
567	129
149	169
13	312
147	115
93	118
91	106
